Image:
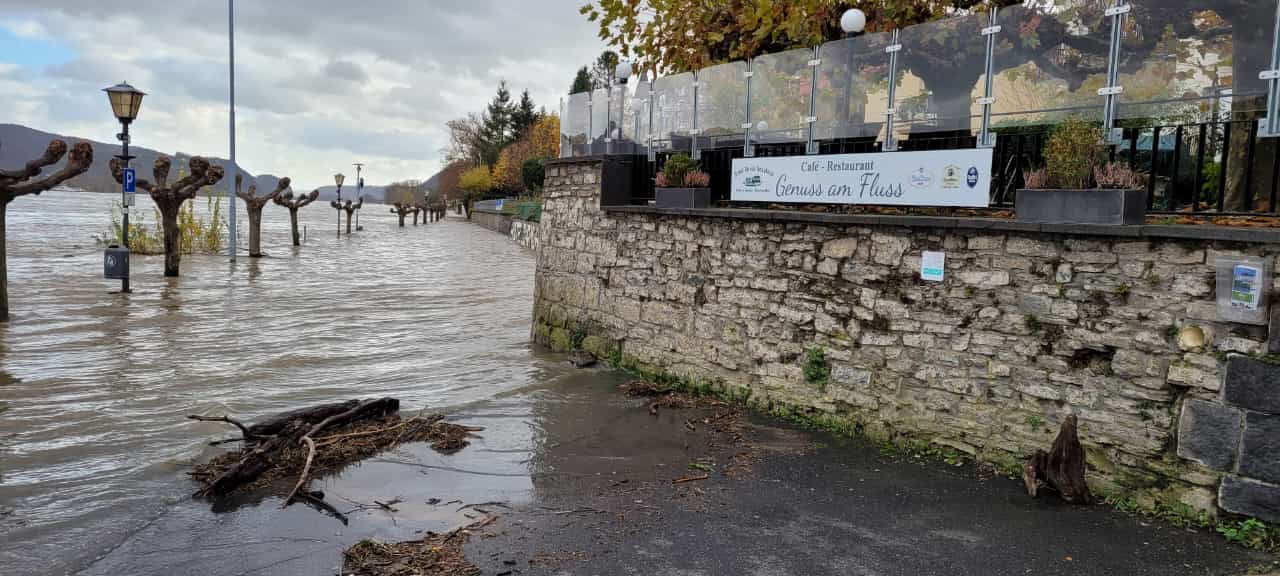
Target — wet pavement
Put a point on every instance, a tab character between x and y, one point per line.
581	478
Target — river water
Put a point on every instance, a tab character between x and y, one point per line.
94	386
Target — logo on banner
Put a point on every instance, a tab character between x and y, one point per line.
753	181
973	177
921	178
951	177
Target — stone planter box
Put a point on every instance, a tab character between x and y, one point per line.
682	197
1099	206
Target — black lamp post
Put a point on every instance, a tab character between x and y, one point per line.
125	103
339	179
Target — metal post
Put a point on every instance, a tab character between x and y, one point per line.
234	170
890	139
653	154
987	139
1112	90
812	147
608	117
1270	127
591	146
359	193
124	201
694	152
748	150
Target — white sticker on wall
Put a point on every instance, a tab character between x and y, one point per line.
933	266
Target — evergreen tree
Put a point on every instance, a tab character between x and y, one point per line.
523	117
581	82
497	126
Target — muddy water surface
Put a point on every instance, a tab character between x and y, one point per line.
94	385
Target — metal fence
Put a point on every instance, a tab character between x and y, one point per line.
1186	91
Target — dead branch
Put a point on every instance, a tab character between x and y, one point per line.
1062	468
243	429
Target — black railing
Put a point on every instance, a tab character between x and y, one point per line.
1193	168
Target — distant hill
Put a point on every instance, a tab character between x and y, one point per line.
19	145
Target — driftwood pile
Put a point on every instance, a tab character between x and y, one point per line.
439	554
318	439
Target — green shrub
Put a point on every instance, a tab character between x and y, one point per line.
1072	152
533	172
817	371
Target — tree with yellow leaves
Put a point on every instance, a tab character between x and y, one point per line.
541	142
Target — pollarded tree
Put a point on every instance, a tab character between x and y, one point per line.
15	183
170	197
348	207
254	204
293	204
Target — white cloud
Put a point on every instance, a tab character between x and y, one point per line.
320	84
24	28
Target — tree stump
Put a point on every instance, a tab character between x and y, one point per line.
1061	469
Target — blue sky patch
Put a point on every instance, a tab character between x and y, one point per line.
31	53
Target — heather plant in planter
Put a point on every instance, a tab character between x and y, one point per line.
1077	187
681	184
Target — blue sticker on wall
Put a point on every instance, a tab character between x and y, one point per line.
973	177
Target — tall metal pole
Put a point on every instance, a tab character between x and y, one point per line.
1271	124
233	170
124	201
359	194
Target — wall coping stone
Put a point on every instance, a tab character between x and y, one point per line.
1222	233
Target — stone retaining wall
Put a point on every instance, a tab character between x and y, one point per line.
1027	328
522	232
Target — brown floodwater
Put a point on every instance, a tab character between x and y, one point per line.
94	385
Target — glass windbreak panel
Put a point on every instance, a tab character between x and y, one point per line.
673	112
635	117
1050	61
600	119
1189	66
943	64
722	105
853	88
573	125
780	86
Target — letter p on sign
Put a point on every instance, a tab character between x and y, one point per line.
129	178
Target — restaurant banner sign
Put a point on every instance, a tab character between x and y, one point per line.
931	178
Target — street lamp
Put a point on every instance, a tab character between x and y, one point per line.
623	73
853	21
125	103
338	179
359	194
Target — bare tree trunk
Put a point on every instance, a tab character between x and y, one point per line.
415	217
172	238
1062	468
401	219
349	212
255	231
4	270
293	223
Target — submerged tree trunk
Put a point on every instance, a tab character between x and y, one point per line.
349	213
293	225
402	215
172	238
415	217
255	231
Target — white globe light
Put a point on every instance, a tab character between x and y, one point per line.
762	126
853	21
624	70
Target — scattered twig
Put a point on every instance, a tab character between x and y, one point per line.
306	470
322	505
501	504
683	479
225	441
388	505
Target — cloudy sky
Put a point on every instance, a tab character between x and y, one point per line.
319	83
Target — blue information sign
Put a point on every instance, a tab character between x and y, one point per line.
129	179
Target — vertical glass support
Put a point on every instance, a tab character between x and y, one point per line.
890	140
748	150
591	147
694	152
653	154
1270	127
608	118
1112	135
987	139
812	147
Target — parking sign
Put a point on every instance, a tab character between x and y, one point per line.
129	179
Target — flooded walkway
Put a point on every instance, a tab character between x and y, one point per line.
94	386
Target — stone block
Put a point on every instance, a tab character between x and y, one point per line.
850	377
1209	433
1260	456
1250	497
1252	384
842	248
